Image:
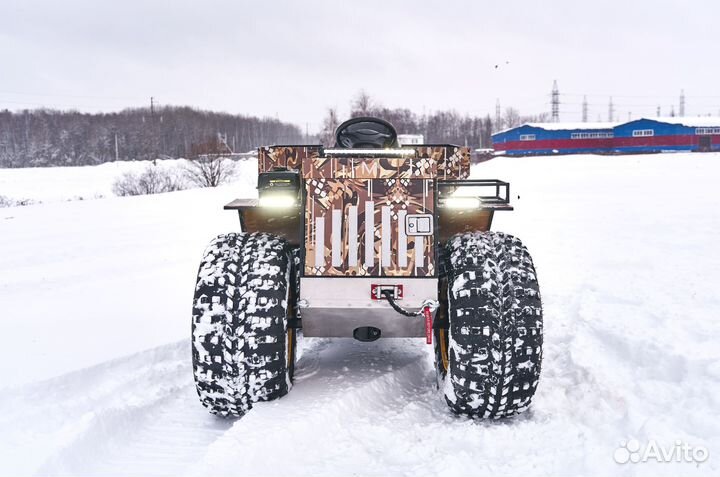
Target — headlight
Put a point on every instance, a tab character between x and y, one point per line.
461	202
279	201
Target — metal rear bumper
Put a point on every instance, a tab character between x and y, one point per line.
334	307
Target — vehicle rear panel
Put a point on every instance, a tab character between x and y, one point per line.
356	206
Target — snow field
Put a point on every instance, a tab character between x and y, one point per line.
59	184
626	254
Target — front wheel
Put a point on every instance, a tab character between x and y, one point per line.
242	347
488	347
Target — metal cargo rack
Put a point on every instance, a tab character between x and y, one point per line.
493	194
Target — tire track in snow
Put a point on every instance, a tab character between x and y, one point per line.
126	415
375	408
347	396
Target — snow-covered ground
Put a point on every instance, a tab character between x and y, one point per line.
95	299
59	184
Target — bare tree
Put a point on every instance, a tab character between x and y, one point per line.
330	124
362	105
511	118
209	170
152	180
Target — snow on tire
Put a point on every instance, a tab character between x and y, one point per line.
493	349
239	324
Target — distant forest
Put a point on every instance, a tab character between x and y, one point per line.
61	138
438	127
35	138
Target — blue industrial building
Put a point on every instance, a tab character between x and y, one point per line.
555	138
641	135
668	134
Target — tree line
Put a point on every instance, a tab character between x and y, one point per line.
43	137
439	127
68	138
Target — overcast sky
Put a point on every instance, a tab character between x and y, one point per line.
293	59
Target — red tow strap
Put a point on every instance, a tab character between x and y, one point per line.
428	324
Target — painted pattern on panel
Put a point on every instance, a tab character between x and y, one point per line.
354	196
443	162
285	156
364	205
370	167
452	162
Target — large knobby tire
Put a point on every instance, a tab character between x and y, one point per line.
242	349
489	356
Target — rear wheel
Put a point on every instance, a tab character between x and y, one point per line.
243	351
488	344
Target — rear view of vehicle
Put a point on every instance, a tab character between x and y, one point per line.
369	240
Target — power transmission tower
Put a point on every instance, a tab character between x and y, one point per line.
682	103
611	110
672	111
498	117
555	103
584	109
658	111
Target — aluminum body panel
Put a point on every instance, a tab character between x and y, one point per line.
336	306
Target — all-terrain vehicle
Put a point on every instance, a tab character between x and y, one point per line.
369	240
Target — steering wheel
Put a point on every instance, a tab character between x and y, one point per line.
365	133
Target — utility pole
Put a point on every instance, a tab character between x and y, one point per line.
584	109
672	111
682	103
154	131
611	110
555	103
117	151
658	111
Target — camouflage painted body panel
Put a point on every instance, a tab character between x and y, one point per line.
339	214
369	168
441	162
356	206
285	156
455	164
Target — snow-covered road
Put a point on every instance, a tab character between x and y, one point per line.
95	298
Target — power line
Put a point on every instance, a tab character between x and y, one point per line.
32	104
61	95
636	95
